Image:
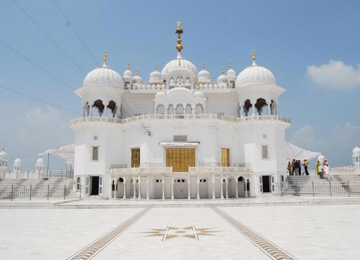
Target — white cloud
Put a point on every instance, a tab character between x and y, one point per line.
335	75
303	137
39	116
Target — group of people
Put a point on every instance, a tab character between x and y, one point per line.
322	169
294	167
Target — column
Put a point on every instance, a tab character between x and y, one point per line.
237	188
163	187
188	180
253	107
134	185
246	194
124	196
227	186
139	184
115	186
147	187
198	187
213	186
172	188
222	186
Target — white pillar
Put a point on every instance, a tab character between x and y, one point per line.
134	185
172	188
213	186
227	186
163	187
139	184
237	188
147	187
222	186
124	196
115	186
198	187
188	187
246	194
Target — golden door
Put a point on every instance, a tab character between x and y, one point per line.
180	159
225	157
135	157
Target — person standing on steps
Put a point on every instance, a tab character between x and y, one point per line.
289	168
306	164
321	170
317	167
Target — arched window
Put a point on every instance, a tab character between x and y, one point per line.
160	109
179	109
112	107
170	109
100	107
260	104
188	109
199	109
247	107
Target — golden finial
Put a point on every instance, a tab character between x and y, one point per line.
155	65
128	65
179	31
179	62
105	58
203	65
231	65
253	55
223	71
137	72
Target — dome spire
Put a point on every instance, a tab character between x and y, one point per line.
179	46
253	58
203	65
128	65
137	72
231	65
156	66
223	71
105	59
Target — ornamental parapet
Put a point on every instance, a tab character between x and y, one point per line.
220	170
139	171
254	118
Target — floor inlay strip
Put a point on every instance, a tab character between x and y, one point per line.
95	247
272	250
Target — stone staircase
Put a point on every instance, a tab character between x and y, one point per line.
313	185
53	187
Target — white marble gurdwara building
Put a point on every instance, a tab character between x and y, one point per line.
180	135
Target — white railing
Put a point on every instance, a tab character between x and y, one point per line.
218	169
180	117
139	171
37	175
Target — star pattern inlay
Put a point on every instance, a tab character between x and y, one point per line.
170	232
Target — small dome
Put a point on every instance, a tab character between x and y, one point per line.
179	90
137	78
222	78
356	151
3	154
199	94
178	63
40	162
18	161
160	94
103	76
155	76
231	74
204	75
255	75
127	74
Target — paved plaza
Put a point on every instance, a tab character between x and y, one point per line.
215	232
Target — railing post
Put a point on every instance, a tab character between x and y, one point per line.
64	192
48	191
330	187
12	191
30	191
313	189
348	185
80	191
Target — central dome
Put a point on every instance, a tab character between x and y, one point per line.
179	63
103	76
254	75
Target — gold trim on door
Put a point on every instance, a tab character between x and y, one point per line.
225	157
135	157
180	159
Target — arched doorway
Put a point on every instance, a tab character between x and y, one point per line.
260	104
180	189
241	186
203	188
98	104
120	188
232	187
247	108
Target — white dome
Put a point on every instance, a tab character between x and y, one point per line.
18	162
179	90
222	78
255	75
356	151
160	94
127	74
103	76
155	77
231	74
40	162
199	94
204	76
321	158
138	79
179	63
3	154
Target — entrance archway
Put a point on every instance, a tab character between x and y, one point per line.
232	187
120	188
241	186
203	188
180	189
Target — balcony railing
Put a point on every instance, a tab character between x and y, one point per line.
140	171
180	117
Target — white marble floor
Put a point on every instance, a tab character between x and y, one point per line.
307	232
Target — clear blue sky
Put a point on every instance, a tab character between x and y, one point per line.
312	47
